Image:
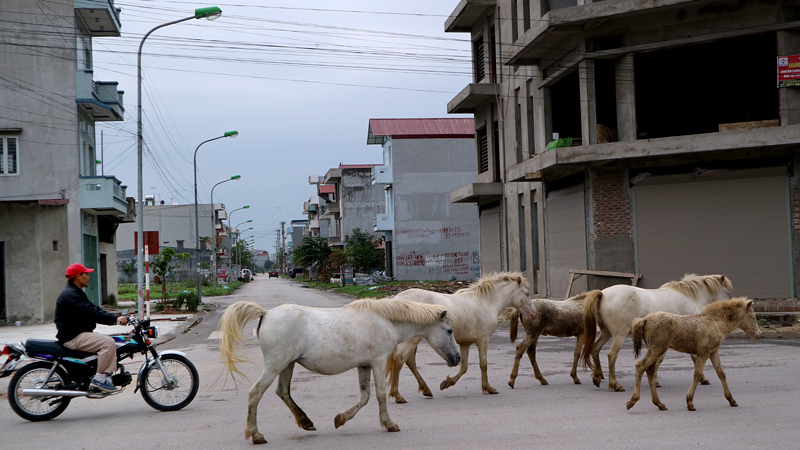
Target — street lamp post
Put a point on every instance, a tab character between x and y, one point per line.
238	238
230	134
209	13
213	227
230	239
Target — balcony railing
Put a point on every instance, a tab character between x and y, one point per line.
99	99
100	17
382	175
103	195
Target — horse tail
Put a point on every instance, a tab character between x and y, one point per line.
591	308
231	323
512	325
637	333
391	364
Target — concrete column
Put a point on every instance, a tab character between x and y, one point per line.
789	44
588	102
626	99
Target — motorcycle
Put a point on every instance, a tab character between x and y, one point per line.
54	375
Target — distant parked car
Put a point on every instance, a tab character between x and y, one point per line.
273	273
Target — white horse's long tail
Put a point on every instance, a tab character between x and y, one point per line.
231	323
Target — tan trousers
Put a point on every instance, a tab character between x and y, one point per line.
101	344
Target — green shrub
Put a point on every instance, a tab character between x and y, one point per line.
190	297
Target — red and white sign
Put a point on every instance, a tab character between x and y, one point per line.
789	71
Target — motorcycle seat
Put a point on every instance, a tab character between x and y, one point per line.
51	347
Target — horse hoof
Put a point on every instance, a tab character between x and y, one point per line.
734	404
399	399
543	381
705	382
309	427
444	385
490	390
393	429
690	408
630	405
619	389
664	408
339	420
511	383
577	381
427	392
259	440
596	382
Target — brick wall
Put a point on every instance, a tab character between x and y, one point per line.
612	206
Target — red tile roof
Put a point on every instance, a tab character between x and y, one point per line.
421	128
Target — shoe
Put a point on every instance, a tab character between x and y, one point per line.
104	386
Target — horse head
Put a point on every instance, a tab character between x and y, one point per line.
748	322
520	296
441	339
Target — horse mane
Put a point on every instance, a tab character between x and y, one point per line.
398	310
725	308
486	284
580	297
691	284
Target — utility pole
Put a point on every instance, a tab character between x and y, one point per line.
283	245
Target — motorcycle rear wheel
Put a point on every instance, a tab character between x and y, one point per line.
32	376
176	392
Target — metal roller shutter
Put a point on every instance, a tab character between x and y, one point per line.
566	239
734	223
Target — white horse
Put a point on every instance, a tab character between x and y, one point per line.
329	341
615	310
474	311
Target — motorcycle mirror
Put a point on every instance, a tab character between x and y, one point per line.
125	312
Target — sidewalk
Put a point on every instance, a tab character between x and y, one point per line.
169	326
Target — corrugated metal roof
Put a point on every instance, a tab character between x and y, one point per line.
420	129
357	166
327	189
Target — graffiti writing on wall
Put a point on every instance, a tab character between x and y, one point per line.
456	262
423	233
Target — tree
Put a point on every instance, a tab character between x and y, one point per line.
242	255
129	269
163	265
338	259
364	252
313	251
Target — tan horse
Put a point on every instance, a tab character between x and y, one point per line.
700	335
616	309
560	318
474	311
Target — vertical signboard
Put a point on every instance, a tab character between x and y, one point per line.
788	71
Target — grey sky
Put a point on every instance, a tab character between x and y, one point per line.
299	80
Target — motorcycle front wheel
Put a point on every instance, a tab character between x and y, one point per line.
32	376
176	390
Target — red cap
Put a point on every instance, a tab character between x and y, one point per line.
76	269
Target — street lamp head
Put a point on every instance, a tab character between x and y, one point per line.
231	134
245	206
249	221
210	13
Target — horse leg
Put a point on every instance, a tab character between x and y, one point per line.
254	397
699	362
575	357
658	365
394	381
652	380
704	381
597	373
380	394
532	356
722	378
637	386
483	345
461	370
363	384
616	346
283	391
521	348
412	365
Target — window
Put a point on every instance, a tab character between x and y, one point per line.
478	56
483	151
8	156
179	244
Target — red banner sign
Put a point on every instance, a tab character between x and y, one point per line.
789	71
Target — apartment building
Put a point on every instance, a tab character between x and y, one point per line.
636	137
352	201
57	204
426	236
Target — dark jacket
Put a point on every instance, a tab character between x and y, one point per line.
75	314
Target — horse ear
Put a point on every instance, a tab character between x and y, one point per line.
749	304
442	314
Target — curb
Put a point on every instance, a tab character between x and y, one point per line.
186	326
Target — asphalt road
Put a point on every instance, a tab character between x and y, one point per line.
763	376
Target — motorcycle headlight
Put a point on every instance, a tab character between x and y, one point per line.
153	332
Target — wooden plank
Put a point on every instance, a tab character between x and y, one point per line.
577	273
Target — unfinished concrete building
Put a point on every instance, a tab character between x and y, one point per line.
647	138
